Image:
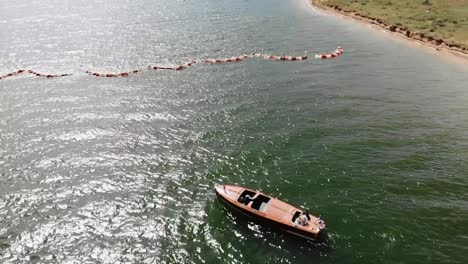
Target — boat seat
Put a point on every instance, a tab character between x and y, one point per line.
259	201
263	206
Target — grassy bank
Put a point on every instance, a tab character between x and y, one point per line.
445	20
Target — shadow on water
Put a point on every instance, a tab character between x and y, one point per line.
288	243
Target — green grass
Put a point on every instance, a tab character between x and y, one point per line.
441	19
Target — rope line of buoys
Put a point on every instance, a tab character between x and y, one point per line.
338	52
175	68
108	75
11	74
18	72
224	60
151	67
47	75
335	54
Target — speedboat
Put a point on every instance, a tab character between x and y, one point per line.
271	211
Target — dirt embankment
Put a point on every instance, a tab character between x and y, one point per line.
417	36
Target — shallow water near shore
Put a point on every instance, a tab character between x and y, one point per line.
121	170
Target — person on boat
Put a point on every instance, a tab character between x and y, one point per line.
307	215
246	199
320	222
302	219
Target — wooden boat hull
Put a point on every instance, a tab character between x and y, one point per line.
277	225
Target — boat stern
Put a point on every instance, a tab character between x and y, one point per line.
322	231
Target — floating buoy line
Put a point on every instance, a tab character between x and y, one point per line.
338	52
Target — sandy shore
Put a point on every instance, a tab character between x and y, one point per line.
438	46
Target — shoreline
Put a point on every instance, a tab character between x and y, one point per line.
439	46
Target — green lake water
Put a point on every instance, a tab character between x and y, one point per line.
121	170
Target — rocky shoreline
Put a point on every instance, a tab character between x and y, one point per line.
438	44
